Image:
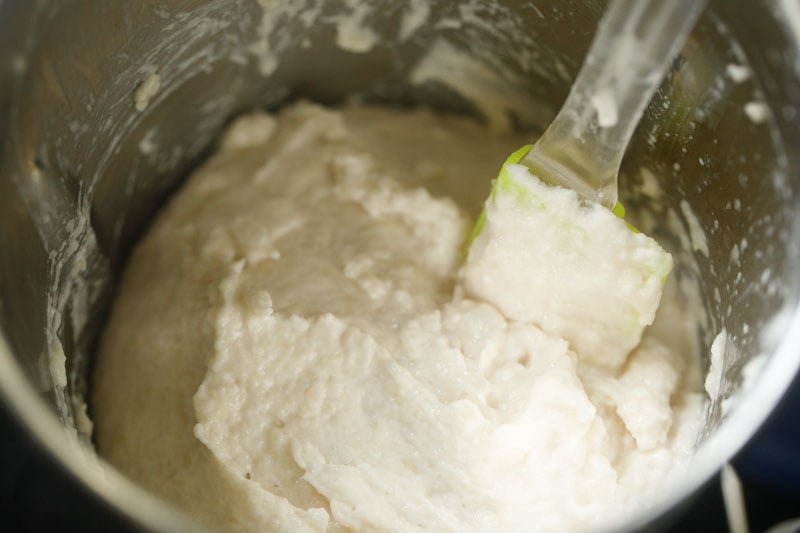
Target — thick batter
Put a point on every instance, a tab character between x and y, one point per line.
297	344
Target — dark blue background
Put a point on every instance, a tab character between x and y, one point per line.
36	496
769	467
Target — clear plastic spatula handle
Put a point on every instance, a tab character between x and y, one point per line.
635	44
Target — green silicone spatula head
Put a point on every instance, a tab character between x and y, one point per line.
635	44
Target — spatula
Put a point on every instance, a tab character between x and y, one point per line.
546	249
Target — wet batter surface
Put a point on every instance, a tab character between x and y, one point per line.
299	343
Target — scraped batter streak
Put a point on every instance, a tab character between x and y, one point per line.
295	346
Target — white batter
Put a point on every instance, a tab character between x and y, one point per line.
296	346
